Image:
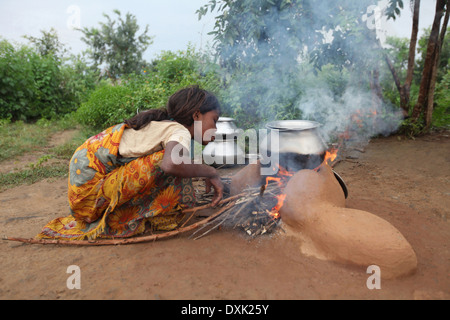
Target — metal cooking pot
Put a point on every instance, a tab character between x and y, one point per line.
296	136
224	150
225	126
298	146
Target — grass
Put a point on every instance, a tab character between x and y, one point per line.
19	138
32	175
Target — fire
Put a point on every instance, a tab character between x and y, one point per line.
283	177
275	210
330	156
278	180
281	180
284	172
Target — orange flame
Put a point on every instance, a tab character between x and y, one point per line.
281	179
330	156
268	179
283	176
275	212
284	172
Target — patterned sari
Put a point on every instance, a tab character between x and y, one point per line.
113	197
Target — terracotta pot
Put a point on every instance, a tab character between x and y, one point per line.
314	211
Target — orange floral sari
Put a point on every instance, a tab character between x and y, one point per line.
111	196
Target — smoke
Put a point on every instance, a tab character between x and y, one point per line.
308	68
357	115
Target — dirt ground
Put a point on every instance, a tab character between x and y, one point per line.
406	182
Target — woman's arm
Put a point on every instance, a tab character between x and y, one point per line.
179	164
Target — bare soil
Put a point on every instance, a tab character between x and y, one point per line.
406	182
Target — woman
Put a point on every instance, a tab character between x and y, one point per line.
139	171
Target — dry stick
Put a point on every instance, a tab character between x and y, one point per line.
216	226
206	206
208	224
223	220
187	220
124	241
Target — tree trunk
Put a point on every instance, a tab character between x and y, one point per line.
377	94
406	88
425	84
430	104
404	101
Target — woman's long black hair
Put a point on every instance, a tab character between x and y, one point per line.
181	107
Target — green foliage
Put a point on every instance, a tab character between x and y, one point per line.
19	137
34	86
260	43
17	88
336	79
111	104
34	174
48	44
441	113
106	106
263	29
250	98
398	53
116	45
444	56
277	30
394	8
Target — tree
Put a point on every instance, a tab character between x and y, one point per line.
274	29
424	103
116	46
405	88
444	55
434	73
260	43
48	44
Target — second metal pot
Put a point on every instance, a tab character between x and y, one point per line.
293	145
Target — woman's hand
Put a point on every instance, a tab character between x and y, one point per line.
217	184
186	169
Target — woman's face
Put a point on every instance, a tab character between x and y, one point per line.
205	126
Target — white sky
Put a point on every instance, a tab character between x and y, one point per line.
172	23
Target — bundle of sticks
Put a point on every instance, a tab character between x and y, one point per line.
249	210
252	212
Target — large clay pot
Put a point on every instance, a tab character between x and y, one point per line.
314	211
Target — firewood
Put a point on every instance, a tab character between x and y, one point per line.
123	241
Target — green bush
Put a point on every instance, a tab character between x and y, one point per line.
35	86
17	88
441	113
109	105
